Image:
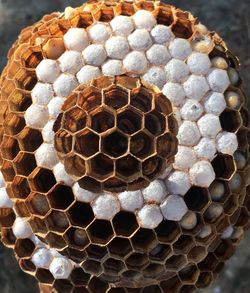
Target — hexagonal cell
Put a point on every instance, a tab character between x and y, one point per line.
63	141
187	289
96	286
160	252
242	137
116	97
9	148
87	143
141	99
245	116
231	204
38	225
183	244
196	198
230	120
101	167
32	57
115	144
129	121
100	232
25	79
167	146
24	163
119	247
224	166
92	267
89	98
105	14
143	240
38	204
175	262
56	241
30	139
153	167
7	217
172	285
24	248
81	20
155	123
243	218
42	180
209	263
142	145
197	254
57	221
76	238
74	120
75	254
7	237
61	197
79	277
125	224
75	165
44	276
128	167
13	124
113	266
21	208
204	280
102	120
20	187
81	214
167	231
154	270
153	288
189	275
27	266
224	251
137	261
183	28
165	15
54	48
63	286
90	184
162	104
96	252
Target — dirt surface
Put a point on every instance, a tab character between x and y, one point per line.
230	18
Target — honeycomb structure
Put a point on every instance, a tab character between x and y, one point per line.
77	219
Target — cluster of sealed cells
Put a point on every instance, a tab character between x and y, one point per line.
169	258
115	138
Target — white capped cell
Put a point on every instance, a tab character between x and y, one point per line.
144	19
162	34
174	208
87	73
76	39
61	268
83	195
117	47
209	125
156	76
122	25
226	142
21	228
150	216
135	62
5	201
48	133
191	110
199	63
202	174
176	70
206	148
61	175
105	206
2	181
131	200
42	93
99	32
42	258
46	156
65	84
94	54
112	67
55	106
48	70
178	183
155	192
36	116
215	103
188	134
185	158
158	55
218	80
180	48
174	92
71	62
140	40
196	87
177	115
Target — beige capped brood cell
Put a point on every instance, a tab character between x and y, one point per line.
124	150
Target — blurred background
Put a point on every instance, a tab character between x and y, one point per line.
230	18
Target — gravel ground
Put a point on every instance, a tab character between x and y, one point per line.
231	19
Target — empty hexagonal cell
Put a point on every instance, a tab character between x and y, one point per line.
183	244
44	276
125	224
10	147
30	139
8	238
92	267
115	144
119	247
113	266
21	208
74	253
24	163
244	116
100	232
160	252
27	265
209	263
57	221
230	120
197	254
77	238
13	124
61	197
143	240
187	289
25	80
224	166
74	120
153	167
155	122
79	277
63	285
196	198
87	143
102	120
96	252
167	146
128	167
81	214
8	171
183	28
116	97
63	141
24	247
56	241
129	121
90	184
7	217
141	99
167	231
142	145
96	285
20	101
38	225
20	187
89	98
175	262
75	165
242	137
101	167
224	251
162	104
204	280
172	285
137	261
231	205
42	180
32	57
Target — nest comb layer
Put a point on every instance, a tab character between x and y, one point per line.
120	251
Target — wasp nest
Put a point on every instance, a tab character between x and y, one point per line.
124	150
